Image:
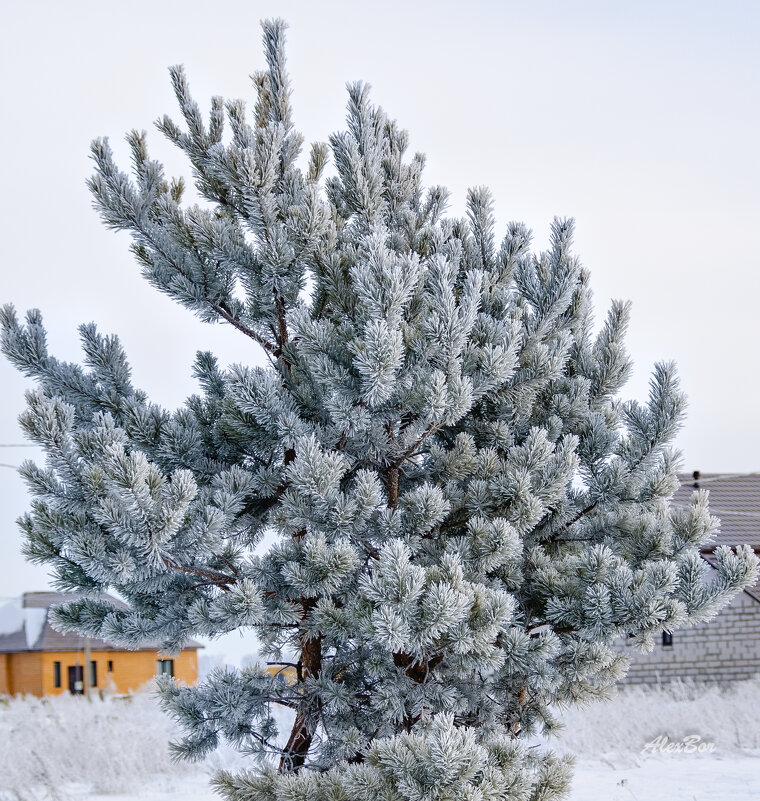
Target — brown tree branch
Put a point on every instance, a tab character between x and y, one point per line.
432	428
224	312
215	577
553	538
305	725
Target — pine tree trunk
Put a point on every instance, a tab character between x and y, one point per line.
304	726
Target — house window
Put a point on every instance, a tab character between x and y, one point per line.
667	638
76	679
110	665
56	674
165	667
93	674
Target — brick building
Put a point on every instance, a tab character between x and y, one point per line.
728	647
35	659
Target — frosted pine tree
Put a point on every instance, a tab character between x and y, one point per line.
465	515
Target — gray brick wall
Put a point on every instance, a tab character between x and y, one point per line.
725	649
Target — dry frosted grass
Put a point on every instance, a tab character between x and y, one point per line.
726	716
113	746
58	747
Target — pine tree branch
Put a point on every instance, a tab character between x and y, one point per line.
220	308
219	579
305	725
282	329
559	630
308	666
553	537
223	311
410	451
279	303
590	508
392	475
392	487
224	200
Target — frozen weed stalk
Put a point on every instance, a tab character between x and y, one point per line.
466	513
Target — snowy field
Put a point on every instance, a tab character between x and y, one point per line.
66	748
620	758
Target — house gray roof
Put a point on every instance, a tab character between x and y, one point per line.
735	499
24	626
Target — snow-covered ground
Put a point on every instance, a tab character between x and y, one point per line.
66	748
675	778
678	743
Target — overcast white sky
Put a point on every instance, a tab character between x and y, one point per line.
641	120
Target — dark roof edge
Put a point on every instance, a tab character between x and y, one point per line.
95	650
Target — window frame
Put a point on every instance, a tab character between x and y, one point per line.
165	667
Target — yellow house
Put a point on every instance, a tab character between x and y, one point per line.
36	660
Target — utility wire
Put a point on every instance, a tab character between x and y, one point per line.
687	479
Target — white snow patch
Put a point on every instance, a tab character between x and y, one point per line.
14	617
636	715
618	757
64	747
122	754
669	778
34	622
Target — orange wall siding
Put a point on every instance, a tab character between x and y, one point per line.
25	673
286	674
4	677
132	669
66	659
34	672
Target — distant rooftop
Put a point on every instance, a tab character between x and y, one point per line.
47	598
24	625
735	499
